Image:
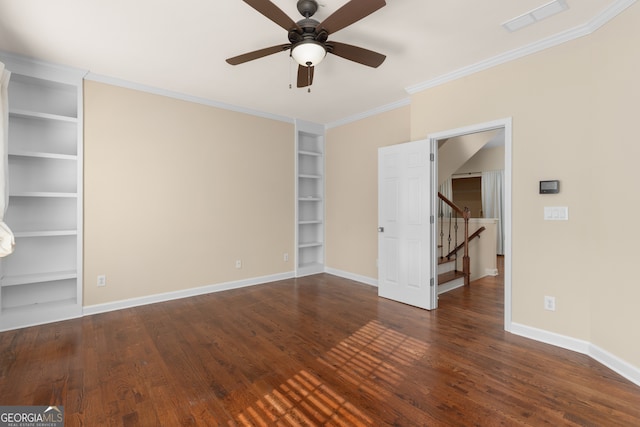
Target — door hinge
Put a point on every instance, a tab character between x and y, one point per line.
432	283
432	157
433	219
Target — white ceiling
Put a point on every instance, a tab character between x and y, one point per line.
182	46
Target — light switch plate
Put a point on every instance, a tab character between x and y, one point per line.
556	213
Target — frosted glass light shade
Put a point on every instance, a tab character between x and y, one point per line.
308	53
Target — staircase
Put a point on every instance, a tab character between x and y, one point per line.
449	276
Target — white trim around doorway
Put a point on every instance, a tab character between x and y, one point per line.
505	124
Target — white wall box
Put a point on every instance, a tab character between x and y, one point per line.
310	198
42	280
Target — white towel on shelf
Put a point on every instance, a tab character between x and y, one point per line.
7	240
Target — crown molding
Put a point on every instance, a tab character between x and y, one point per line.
40	69
382	109
609	13
183	97
593	25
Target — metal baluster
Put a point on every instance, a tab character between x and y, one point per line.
449	237
455	230
441	215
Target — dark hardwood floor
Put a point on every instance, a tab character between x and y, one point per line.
319	350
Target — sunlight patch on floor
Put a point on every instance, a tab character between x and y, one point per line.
372	358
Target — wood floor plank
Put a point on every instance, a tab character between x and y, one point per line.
318	350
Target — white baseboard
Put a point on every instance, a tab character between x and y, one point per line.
630	372
627	370
552	338
191	292
490	271
351	276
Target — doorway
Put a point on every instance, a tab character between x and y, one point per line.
501	124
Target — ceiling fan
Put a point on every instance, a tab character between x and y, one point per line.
308	38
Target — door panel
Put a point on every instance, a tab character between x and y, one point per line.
404	211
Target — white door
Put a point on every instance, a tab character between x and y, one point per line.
404	216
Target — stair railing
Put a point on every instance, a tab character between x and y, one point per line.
465	214
471	237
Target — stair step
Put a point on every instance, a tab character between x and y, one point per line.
445	265
449	281
449	276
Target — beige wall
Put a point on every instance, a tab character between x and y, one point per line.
615	291
487	159
455	152
352	189
574	111
175	192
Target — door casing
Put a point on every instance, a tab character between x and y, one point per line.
506	124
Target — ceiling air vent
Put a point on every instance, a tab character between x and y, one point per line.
536	15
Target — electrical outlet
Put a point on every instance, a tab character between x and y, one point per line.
550	303
238	263
286	257
102	280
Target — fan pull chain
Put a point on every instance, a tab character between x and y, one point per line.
290	75
309	77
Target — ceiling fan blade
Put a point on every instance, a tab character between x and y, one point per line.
357	54
274	13
351	12
250	56
305	76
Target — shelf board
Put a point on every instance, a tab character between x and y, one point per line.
52	233
43	116
311	265
306	269
40	313
25	279
42	155
311	222
310	153
308	176
310	199
38	308
42	194
309	245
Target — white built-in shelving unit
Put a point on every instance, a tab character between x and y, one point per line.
41	281
310	198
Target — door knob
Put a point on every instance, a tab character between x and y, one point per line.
381	229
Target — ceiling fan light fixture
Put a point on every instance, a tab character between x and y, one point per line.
308	53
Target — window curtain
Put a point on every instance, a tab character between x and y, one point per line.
446	189
7	241
493	202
